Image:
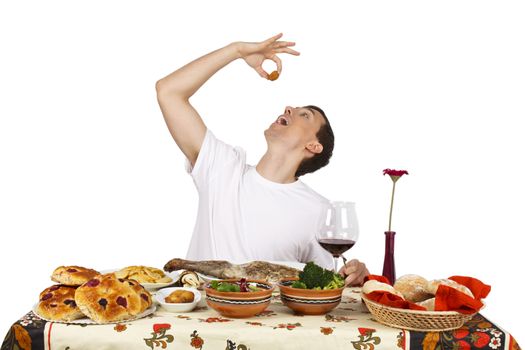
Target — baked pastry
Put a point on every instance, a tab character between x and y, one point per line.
180	296
107	298
429	304
57	303
413	288
433	285
374	286
188	279
73	275
144	274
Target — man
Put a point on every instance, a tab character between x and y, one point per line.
245	212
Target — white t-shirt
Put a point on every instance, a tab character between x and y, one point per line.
242	216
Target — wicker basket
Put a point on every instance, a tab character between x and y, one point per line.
415	320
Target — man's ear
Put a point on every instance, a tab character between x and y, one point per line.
314	147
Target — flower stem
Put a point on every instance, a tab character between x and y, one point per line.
391	207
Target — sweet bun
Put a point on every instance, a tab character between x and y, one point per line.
429	304
433	285
73	275
374	286
413	288
57	303
107	298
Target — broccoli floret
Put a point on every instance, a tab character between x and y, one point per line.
298	284
336	283
312	275
315	277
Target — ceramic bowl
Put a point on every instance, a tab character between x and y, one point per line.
240	304
309	301
161	294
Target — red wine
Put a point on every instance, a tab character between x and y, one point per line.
336	246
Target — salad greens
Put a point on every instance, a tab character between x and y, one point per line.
240	286
315	277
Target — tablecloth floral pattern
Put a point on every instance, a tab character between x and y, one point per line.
349	326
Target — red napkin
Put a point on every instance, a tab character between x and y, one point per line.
377	278
387	298
478	288
450	299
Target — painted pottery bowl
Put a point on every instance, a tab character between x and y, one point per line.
240	304
309	301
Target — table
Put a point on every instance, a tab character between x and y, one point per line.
349	326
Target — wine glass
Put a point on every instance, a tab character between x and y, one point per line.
340	230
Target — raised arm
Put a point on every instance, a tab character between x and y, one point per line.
173	91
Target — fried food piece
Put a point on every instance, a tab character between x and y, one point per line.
180	296
273	75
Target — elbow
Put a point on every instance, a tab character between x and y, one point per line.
168	90
160	86
163	91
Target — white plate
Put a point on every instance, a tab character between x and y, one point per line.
86	320
153	286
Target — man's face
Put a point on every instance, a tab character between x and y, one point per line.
295	129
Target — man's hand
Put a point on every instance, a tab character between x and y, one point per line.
355	272
256	53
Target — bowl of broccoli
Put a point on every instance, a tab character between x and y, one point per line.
315	292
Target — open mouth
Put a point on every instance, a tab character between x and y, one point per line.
282	121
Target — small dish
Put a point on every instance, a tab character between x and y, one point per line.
309	301
161	295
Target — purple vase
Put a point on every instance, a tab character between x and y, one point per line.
389	266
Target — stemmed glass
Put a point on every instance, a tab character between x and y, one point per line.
340	230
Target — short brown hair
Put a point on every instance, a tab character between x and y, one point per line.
325	136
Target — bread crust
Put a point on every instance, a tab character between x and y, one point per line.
57	303
107	298
374	286
433	286
429	304
413	287
73	275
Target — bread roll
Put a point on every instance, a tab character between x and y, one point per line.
107	298
413	288
429	304
433	285
374	286
57	303
73	275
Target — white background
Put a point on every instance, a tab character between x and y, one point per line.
89	174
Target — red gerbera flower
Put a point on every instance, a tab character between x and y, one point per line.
394	175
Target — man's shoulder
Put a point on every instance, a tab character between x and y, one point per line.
225	149
312	196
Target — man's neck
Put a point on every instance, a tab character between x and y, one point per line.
278	168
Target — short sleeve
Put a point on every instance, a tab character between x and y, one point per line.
214	157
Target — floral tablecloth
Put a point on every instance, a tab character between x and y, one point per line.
349	326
